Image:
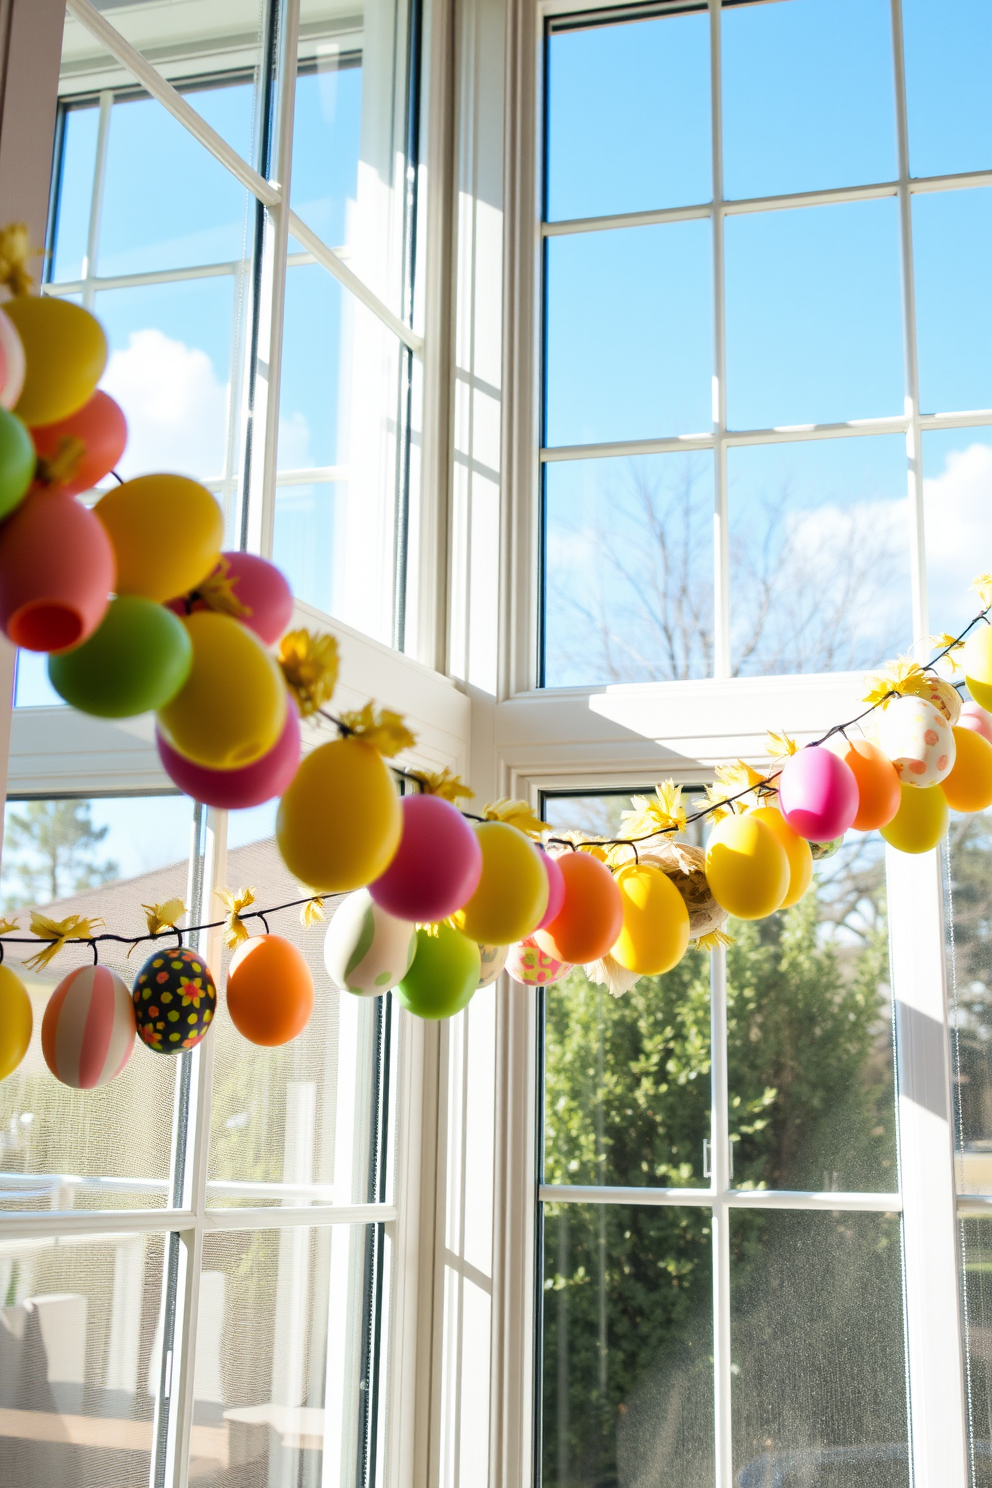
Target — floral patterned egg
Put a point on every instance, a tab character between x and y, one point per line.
174	1000
493	961
918	740
532	967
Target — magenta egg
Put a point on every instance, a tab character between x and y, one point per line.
818	794
233	790
556	888
260	587
974	717
437	865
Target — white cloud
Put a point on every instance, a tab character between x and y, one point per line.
958	508
294	442
175	405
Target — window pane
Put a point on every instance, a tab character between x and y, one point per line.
976	1264
108	1148
628	569
948	52
969	963
628	1339
814	319
326	135
952	239
282	1361
819	555
629	117
807	96
812	1098
817	1337
32	688
957	477
75	192
629	333
79	1360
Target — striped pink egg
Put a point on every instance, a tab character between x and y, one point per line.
87	1033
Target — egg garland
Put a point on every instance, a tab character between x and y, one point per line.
175	1000
973	716
797	850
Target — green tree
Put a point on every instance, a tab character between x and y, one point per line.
50	852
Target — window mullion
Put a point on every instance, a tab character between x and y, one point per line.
721	539
96	200
723	1456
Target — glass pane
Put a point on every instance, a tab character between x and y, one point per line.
296	1125
807	96
814	318
948	52
79	1360
976	1264
282	1358
627	1327
969	965
628	569
812	1095
108	1148
304	547
817	1338
952	238
75	190
326	143
628	117
957	477
819	555
32	688
629	343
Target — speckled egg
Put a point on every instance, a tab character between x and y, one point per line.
918	740
493	961
945	698
175	1000
532	967
367	950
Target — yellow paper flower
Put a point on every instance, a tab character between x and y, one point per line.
446	785
516	814
380	727
7	925
780	746
310	666
662	812
902	678
164	916
311	912
217	591
15	250
982	586
235	931
74	927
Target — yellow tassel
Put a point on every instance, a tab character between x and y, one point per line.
61	468
515	814
15	250
217	592
714	939
311	912
446	785
75	927
7	925
235	931
380	727
310	666
159	917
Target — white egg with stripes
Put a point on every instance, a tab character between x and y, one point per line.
87	1033
367	951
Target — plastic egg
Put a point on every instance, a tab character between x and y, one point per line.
269	990
232	707
685	865
339	821
797	850
920	822
976	659
87	1033
444	974
437	866
134	662
251	785
56	572
13	365
817	794
969	785
367	950
917	739
166	532
556	887
747	867
16	1021
259	587
101	428
175	1000
878	783
17	462
591	915
493	961
974	717
512	894
655	930
527	964
65	353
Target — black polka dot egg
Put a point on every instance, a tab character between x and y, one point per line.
174	1000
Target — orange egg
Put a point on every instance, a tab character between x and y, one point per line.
269	990
591	916
969	785
879	796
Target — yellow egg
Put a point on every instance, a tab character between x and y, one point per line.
969	785
16	1021
340	822
921	820
980	691
747	867
655	921
166	533
976	659
66	352
797	850
513	891
232	707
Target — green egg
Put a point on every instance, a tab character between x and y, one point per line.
444	974
17	462
135	662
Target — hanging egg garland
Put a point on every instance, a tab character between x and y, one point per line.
556	887
968	787
87	1032
920	822
976	659
166	532
134	662
56	572
80	450
65	353
339	820
236	790
877	781
512	893
175	1000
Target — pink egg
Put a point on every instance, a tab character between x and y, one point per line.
974	717
12	363
556	888
261	588
532	967
437	865
818	794
233	790
87	1033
